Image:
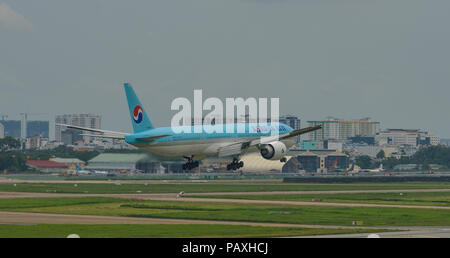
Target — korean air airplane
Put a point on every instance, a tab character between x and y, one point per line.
164	142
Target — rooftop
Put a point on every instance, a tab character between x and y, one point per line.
67	160
46	164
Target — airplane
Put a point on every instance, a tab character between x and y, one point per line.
380	169
165	143
81	171
100	172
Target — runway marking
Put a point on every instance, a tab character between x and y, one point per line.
26	218
134	195
191	199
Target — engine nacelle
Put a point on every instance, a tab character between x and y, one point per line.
274	150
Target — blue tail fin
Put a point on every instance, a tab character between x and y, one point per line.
78	168
139	117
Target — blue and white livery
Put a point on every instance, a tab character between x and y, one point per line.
163	141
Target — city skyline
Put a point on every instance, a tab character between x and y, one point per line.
391	65
285	118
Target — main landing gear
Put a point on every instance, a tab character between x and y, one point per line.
190	164
236	164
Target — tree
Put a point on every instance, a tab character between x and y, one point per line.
381	154
8	143
364	161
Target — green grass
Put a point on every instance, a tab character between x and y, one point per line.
426	199
167	230
241	212
25	203
208	187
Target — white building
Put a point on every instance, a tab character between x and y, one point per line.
398	137
412	137
2	131
335	145
35	143
83	120
429	139
338	129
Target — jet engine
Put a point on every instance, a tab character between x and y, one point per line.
274	150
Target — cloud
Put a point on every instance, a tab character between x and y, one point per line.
13	20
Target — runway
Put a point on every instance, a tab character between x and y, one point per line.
412	232
172	197
31	218
25	194
25	218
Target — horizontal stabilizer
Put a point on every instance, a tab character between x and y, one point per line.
118	137
93	130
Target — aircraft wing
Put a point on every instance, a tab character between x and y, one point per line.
103	133
240	147
300	131
265	140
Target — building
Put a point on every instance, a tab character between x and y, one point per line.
308	145
71	136
321	161
40	128
35	142
398	137
83	120
46	166
333	145
338	129
292	121
310	161
362	140
70	162
13	128
412	137
2	131
428	139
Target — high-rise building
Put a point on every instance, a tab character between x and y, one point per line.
292	121
2	131
37	128
83	120
338	129
13	128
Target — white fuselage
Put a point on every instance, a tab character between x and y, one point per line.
198	148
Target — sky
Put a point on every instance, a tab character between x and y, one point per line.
388	60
